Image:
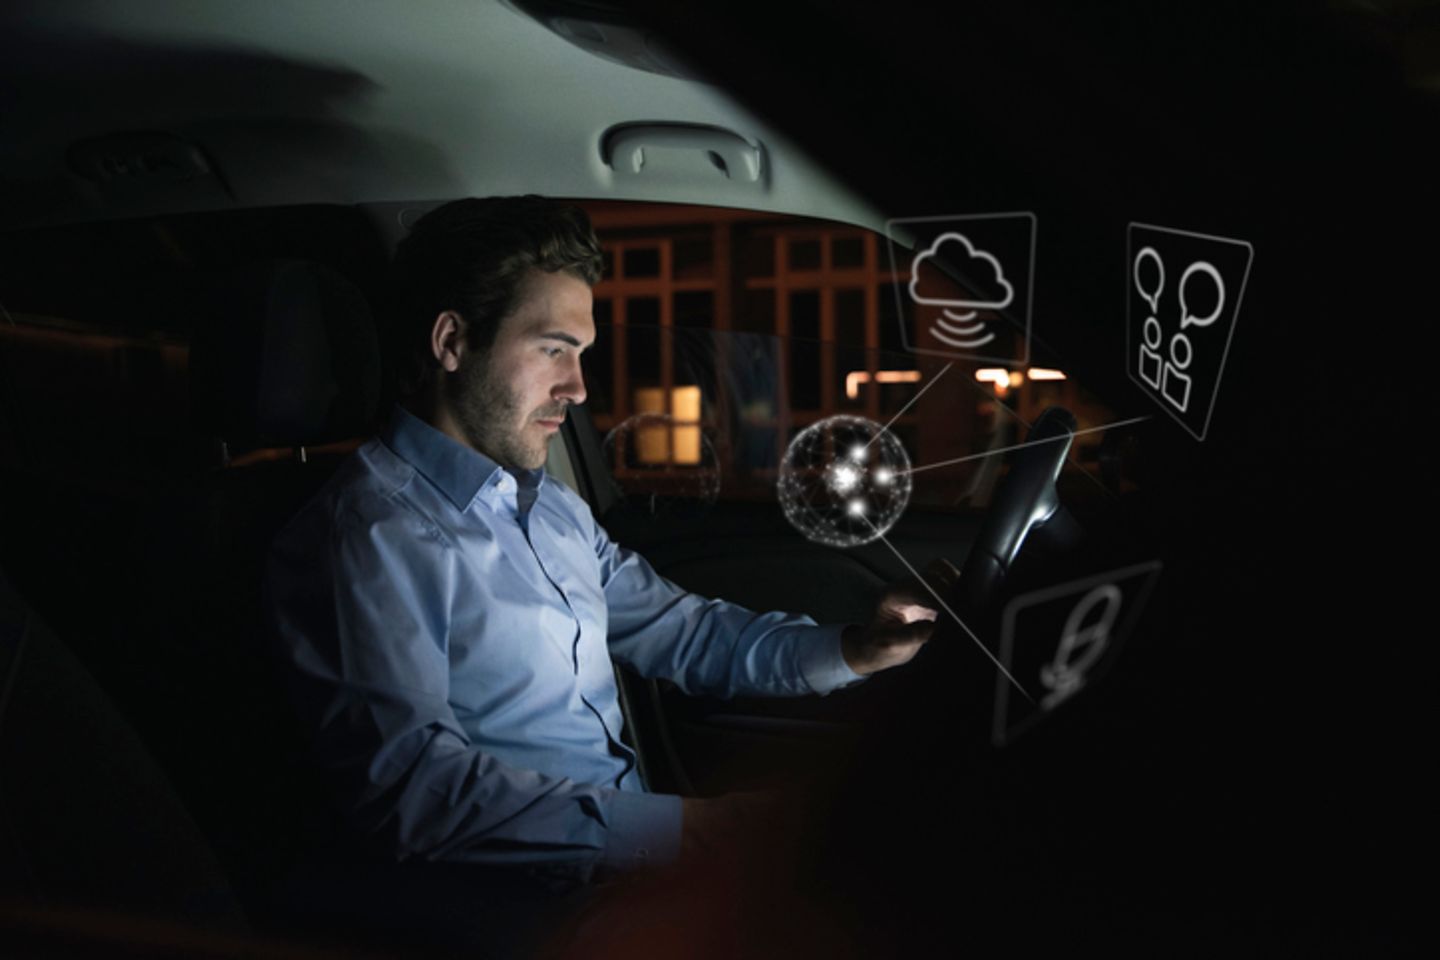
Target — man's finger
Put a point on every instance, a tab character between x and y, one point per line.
908	598
907	634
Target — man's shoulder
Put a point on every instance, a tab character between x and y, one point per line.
370	522
372	487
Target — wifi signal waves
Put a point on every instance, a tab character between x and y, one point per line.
961	335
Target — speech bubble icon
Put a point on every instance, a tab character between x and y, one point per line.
1151	298
1200	266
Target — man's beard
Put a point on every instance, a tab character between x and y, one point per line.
488	411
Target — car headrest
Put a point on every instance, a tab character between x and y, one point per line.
284	353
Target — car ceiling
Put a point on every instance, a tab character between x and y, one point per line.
337	101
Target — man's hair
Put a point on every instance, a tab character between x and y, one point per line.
472	256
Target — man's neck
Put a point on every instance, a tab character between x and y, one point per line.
431	409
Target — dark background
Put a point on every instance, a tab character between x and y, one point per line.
1281	773
1257	778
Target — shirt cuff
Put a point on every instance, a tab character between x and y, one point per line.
643	829
823	665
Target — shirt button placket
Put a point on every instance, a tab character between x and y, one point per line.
558	582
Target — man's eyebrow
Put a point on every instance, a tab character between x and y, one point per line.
563	338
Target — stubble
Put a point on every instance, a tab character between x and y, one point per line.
489	415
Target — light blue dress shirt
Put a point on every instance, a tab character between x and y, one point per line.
450	625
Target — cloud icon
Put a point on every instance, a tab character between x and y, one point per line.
963	255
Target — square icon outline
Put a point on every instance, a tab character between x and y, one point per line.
1229	338
903	314
1152	568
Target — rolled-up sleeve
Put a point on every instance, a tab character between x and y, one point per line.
712	646
363	623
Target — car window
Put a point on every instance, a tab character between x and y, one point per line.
724	335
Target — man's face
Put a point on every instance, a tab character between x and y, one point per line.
511	400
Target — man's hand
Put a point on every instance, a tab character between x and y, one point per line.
904	619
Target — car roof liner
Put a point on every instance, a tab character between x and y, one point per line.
610	32
159	109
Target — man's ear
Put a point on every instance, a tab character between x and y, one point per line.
447	340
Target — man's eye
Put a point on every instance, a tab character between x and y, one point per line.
553	352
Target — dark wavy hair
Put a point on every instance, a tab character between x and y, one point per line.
472	256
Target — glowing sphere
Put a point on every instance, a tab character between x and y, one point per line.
844	481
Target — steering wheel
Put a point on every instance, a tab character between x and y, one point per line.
1026	500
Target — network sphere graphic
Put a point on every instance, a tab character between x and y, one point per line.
844	481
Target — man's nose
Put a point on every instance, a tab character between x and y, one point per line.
572	388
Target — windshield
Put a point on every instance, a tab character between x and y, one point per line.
724	336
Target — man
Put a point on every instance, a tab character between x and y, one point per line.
450	612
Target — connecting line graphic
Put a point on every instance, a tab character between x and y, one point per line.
946	607
918	394
1027	443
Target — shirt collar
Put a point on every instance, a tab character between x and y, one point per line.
459	471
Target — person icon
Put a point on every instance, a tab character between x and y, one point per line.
1080	646
1175	385
1150	353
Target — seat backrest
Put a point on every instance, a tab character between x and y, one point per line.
87	817
285	374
